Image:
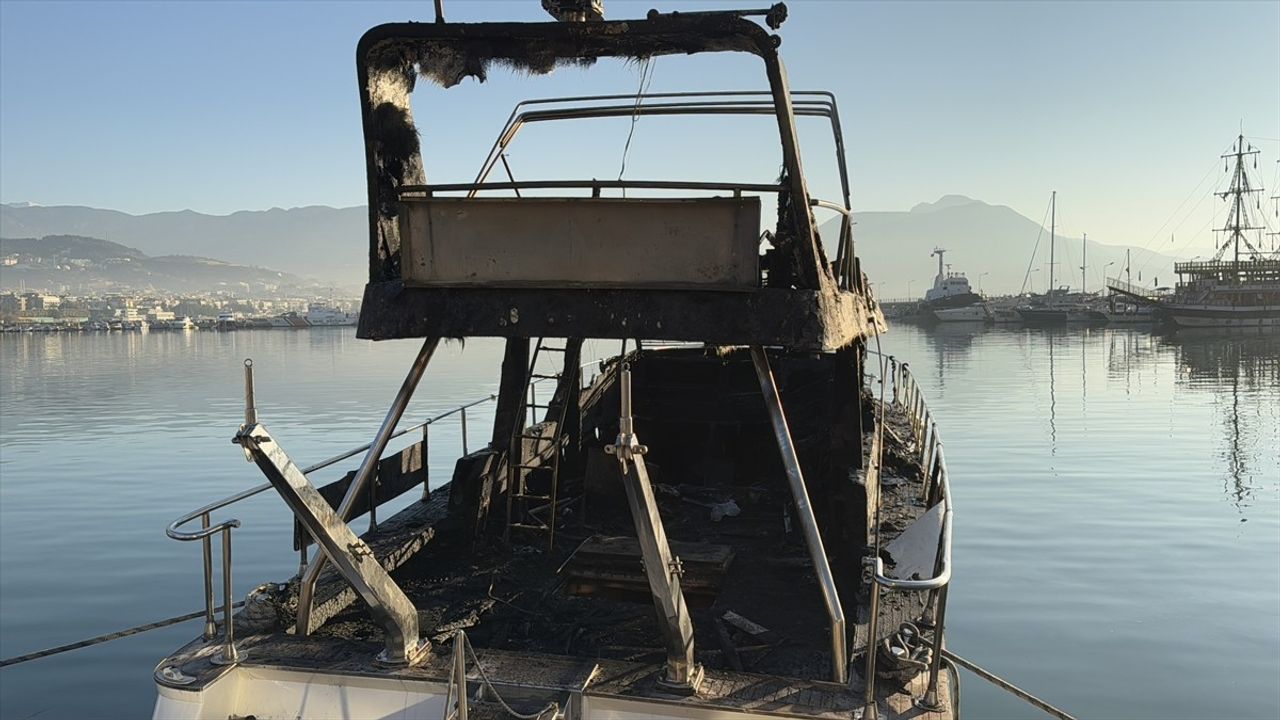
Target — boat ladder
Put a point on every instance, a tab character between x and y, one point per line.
538	437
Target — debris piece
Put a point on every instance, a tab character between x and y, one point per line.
726	644
755	630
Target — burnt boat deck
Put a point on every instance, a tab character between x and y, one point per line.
579	618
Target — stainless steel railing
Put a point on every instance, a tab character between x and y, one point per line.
935	488
207	531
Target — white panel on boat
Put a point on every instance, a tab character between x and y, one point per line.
915	551
540	242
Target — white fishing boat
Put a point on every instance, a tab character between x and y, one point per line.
978	313
324	315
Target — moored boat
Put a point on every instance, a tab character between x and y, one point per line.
320	314
1241	291
699	531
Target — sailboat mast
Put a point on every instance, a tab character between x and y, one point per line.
1084	262
1053	219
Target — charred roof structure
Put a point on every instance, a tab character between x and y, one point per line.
799	298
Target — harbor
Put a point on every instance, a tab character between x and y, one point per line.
623	423
1211	409
1240	293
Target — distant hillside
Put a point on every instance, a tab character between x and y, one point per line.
979	238
86	264
331	244
319	242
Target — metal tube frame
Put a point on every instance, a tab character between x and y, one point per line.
804	511
228	654
210	625
460	674
663	569
307	583
937	486
207	530
426	464
819	103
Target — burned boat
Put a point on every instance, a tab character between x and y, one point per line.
744	513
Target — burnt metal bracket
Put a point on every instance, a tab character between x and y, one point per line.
663	570
350	555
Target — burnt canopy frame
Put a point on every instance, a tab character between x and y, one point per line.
391	58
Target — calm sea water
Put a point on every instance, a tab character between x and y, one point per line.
1117	498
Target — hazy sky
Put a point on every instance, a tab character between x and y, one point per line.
1121	107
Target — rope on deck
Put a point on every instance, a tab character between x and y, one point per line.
109	637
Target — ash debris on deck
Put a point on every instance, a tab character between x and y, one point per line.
750	584
575	602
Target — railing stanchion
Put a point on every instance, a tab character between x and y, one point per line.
373	502
302	552
460	674
426	465
869	700
229	655
210	625
926	439
463	415
930	699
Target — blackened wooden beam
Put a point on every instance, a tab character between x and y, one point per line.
798	319
511	388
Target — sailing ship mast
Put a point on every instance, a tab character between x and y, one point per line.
1084	263
1053	218
1238	221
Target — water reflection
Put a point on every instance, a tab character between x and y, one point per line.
952	344
1236	376
1239	371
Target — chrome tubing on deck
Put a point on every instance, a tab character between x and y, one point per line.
250	405
206	532
307	583
800	496
935	478
228	655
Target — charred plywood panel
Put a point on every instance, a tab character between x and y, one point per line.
644	243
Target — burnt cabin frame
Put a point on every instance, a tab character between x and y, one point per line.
801	306
817	326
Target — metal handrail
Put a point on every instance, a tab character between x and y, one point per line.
229	655
943	575
935	483
820	103
844	246
592	184
207	531
256	489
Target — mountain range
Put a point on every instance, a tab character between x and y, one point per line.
992	244
324	243
86	265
